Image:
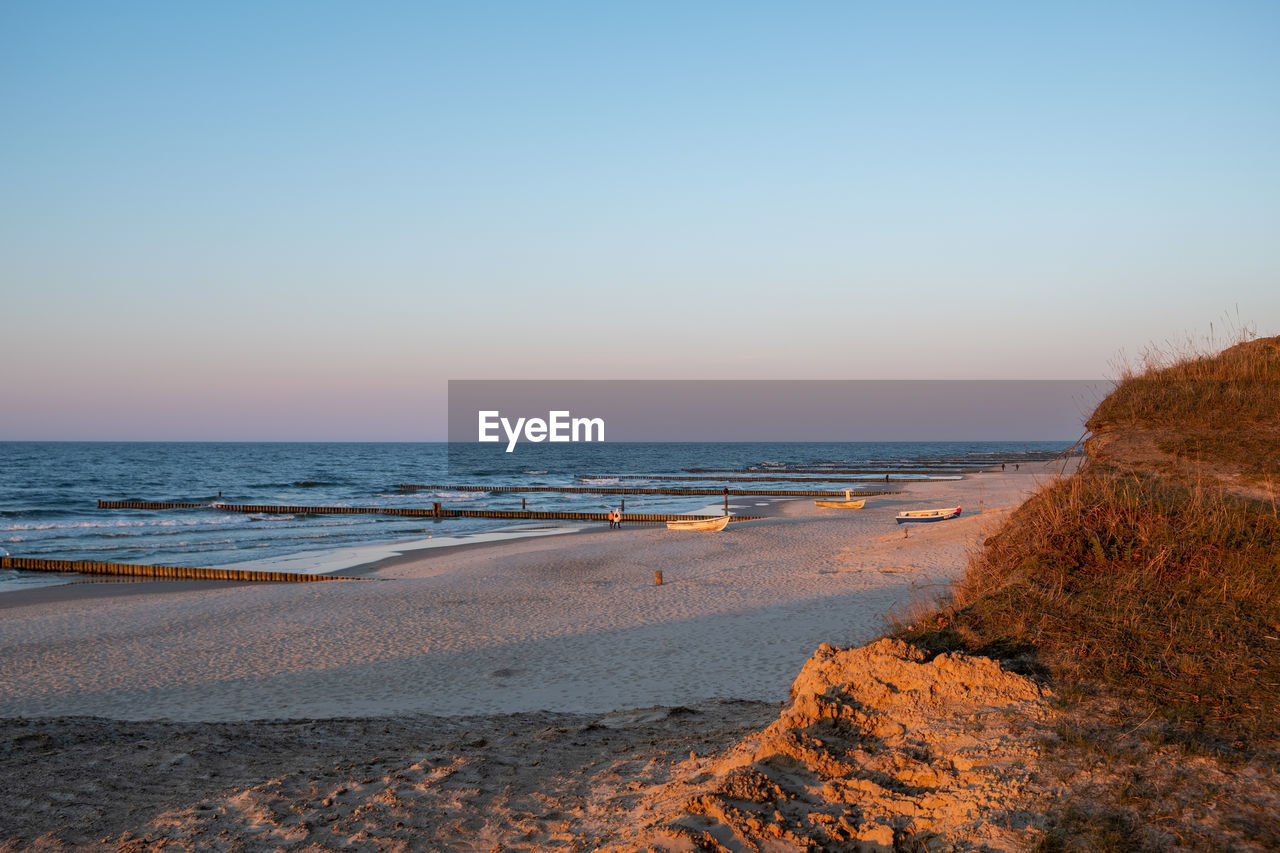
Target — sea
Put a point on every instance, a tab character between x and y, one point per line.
49	493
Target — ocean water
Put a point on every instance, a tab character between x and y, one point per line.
49	491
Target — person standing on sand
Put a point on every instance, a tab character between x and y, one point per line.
610	519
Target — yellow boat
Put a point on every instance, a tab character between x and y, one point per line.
847	503
841	504
711	523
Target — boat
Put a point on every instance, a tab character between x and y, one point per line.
847	503
928	514
709	523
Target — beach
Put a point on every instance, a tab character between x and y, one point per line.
567	633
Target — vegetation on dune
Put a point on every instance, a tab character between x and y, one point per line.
1221	410
1170	594
1148	595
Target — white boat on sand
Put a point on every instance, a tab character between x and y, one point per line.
709	523
928	514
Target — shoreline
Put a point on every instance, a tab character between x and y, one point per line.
83	587
356	560
367	569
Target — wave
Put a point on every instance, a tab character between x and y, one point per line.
420	496
36	513
534	472
598	481
111	525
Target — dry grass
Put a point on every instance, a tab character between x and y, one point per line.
1169	593
1152	604
1220	409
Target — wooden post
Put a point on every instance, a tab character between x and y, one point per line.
624	505
435	509
657	578
522	506
726	500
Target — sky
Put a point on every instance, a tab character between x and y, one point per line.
296	220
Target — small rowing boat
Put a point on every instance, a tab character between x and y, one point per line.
928	514
711	523
847	503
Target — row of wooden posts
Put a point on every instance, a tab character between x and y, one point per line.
91	567
436	511
731	477
784	473
639	490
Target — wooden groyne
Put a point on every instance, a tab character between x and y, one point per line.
641	490
780	478
435	511
90	567
797	473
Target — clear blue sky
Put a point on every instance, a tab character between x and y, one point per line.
297	220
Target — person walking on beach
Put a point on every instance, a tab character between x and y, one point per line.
617	518
611	521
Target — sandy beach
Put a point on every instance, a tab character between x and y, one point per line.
562	631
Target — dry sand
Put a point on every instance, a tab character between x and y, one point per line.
563	632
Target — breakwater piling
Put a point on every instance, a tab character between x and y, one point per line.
435	511
784	473
780	478
641	490
91	567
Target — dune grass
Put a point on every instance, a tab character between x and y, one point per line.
1150	602
1168	594
1222	409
